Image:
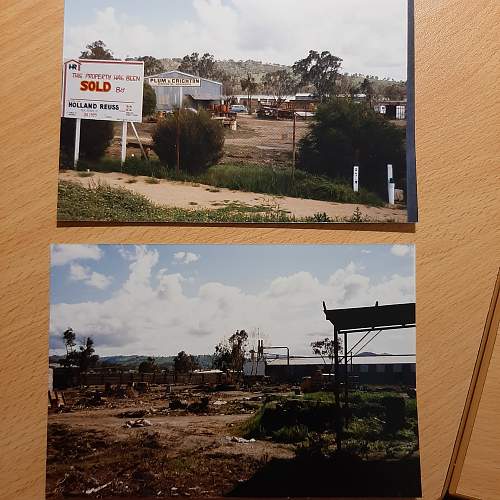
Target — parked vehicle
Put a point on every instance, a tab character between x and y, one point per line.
239	108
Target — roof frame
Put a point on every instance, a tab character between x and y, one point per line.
364	319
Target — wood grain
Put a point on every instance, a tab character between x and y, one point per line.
457	238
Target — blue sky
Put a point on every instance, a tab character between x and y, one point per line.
160	299
370	35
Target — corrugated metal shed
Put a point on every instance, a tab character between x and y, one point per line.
169	97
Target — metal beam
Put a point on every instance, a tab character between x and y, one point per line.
358	318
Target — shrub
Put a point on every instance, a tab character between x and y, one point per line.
148	100
201	140
395	413
291	434
95	138
344	134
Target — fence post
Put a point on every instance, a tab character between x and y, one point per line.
390	177
392	192
355	179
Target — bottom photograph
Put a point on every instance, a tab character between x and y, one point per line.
232	371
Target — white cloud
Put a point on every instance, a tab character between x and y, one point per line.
186	257
91	278
152	313
400	250
63	254
369	35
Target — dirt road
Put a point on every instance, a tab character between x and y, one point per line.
199	196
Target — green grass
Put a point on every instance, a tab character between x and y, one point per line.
275	181
103	203
100	202
309	423
291	434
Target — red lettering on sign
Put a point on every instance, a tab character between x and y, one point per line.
95	86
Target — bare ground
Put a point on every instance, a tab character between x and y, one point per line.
180	454
189	196
255	140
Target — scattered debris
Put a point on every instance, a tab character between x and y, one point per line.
178	404
200	406
220	402
96	490
140	422
236	439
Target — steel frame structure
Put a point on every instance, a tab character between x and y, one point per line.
360	320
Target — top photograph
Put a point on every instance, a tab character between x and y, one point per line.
238	111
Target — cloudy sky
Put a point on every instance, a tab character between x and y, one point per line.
159	300
370	35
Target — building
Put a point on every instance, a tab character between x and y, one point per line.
366	370
176	89
254	367
393	110
298	102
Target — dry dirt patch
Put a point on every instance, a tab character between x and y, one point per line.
188	196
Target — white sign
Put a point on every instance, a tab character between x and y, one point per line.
355	179
103	90
183	81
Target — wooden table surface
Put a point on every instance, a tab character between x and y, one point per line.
457	238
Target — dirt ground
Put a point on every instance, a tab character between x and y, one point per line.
255	140
184	452
200	196
262	141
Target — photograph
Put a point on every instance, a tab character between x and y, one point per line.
237	111
249	371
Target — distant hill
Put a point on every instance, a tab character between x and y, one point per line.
237	70
133	361
204	360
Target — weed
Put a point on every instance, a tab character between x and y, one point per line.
277	181
291	434
101	202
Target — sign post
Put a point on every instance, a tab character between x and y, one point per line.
355	179
124	142
102	90
77	143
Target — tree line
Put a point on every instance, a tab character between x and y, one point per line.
229	355
318	73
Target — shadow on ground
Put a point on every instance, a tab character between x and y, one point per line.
338	477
